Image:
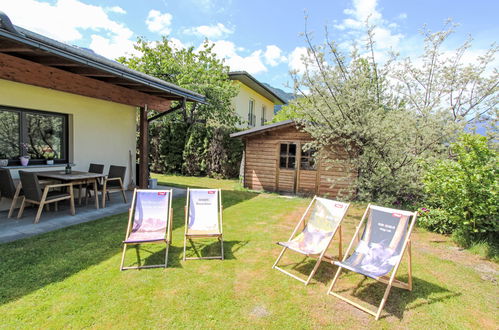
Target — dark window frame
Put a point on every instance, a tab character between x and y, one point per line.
307	158
23	133
287	156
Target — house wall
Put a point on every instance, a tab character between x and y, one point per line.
261	170
241	105
100	131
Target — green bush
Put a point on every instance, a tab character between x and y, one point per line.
461	193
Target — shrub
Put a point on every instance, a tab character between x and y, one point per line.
461	193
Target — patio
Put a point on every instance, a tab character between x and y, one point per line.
14	229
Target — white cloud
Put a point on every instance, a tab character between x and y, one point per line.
176	44
273	55
116	9
296	59
158	22
66	20
209	31
385	35
227	50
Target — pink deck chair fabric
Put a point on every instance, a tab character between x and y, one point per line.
325	217
151	217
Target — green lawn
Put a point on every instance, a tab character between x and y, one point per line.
71	278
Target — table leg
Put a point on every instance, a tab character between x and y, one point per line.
96	193
14	200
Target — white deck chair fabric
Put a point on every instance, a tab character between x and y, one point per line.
203	219
325	217
203	211
324	220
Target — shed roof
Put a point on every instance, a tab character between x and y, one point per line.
266	128
257	86
28	45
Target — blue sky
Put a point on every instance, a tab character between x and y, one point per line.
261	37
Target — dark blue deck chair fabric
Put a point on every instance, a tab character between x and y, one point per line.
381	245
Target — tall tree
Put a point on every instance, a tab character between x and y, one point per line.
178	137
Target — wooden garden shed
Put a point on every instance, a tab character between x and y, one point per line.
275	160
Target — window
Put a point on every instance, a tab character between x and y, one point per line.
37	134
251	113
287	156
263	115
307	161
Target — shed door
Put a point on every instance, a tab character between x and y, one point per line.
307	177
286	172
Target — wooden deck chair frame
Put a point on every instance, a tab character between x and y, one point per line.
320	257
168	235
191	237
388	280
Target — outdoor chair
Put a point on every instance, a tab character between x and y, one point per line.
112	182
8	189
386	236
93	168
203	219
318	232
33	194
149	222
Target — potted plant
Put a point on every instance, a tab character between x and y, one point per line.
24	158
4	161
49	157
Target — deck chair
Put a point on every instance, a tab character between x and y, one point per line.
203	218
386	236
313	241
149	222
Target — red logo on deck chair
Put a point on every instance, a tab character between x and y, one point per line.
162	193
338	205
397	215
211	192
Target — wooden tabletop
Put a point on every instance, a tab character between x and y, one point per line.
74	176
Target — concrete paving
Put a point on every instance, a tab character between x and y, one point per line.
13	229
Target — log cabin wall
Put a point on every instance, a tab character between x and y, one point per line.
263	171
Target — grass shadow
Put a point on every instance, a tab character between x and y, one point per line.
154	257
213	248
370	292
30	264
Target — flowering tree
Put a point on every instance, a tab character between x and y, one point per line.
388	116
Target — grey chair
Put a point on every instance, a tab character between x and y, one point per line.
33	194
8	189
113	182
93	168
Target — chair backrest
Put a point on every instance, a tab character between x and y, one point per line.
7	187
325	217
382	241
31	186
96	168
152	212
204	207
117	172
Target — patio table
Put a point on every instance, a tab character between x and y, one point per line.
76	177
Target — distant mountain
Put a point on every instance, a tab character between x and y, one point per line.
282	94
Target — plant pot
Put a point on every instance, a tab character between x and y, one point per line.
4	162
50	162
24	160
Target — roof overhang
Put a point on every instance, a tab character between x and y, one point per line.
247	79
27	45
263	129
